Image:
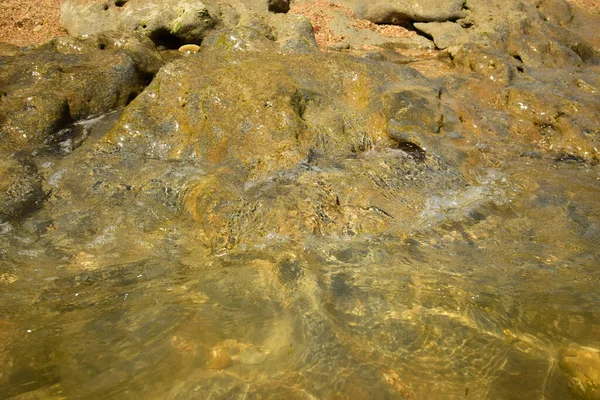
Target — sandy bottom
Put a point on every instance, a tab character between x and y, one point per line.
593	5
24	22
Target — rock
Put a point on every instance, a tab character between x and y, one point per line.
20	189
8	50
279	6
335	23
565	117
582	364
585	24
339	46
555	11
263	32
68	79
252	356
165	22
293	33
404	12
490	64
444	34
281	149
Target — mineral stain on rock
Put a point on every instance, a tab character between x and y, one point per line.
409	213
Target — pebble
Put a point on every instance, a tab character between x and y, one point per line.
220	360
252	356
189	48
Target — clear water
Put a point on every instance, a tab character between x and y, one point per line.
116	297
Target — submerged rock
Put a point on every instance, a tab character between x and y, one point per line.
582	364
263	32
281	151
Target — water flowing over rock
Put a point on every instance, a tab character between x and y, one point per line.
45	89
251	201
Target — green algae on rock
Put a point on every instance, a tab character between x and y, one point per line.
69	79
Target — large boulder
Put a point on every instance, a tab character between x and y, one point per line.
69	79
582	366
167	22
280	145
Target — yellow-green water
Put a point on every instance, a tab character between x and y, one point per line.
492	291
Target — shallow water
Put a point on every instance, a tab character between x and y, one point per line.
479	297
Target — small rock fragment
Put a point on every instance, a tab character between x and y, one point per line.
252	356
220	360
279	6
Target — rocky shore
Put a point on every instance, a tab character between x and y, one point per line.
253	130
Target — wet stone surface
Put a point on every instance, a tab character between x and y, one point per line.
264	219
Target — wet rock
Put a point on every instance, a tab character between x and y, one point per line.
166	22
492	65
582	364
7	279
20	189
189	48
414	111
300	108
68	79
279	150
7	49
521	30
